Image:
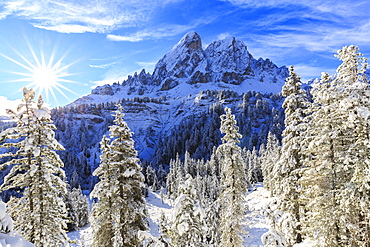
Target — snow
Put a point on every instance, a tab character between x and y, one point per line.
13	240
257	223
8	237
42	113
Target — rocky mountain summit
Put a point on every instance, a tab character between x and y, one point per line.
223	64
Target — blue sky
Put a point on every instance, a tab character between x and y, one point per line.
99	42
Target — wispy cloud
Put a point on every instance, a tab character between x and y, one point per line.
103	66
168	30
338	7
324	38
68	16
294	29
113	75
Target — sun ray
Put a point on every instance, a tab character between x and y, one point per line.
44	73
33	53
16	62
32	66
65	88
62	93
55	98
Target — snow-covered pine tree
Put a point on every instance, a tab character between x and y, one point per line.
336	181
40	214
121	209
254	173
213	224
188	227
233	183
269	159
151	178
78	208
290	165
102	211
175	177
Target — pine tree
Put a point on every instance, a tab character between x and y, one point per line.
336	180
233	183
120	211
254	169
78	209
188	226
291	164
175	177
40	213
269	159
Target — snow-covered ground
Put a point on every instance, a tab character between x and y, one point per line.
256	223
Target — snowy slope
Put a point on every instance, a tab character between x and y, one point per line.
256	223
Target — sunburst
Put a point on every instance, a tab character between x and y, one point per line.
44	75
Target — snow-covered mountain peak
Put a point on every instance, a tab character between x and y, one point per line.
186	68
191	41
180	62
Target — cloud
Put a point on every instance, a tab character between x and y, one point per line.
134	38
68	16
224	35
338	7
113	75
103	66
165	31
327	37
5	104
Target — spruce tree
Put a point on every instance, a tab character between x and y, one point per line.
188	227
40	213
121	209
78	208
336	181
269	160
233	183
291	164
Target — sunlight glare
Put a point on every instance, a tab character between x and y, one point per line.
44	76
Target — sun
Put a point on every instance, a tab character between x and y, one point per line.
44	75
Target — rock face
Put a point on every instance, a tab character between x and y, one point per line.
224	61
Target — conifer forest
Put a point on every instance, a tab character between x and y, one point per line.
218	167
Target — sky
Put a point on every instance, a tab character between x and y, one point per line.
82	44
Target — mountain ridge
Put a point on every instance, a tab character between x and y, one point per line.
223	63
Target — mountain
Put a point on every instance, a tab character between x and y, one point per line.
177	107
188	69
